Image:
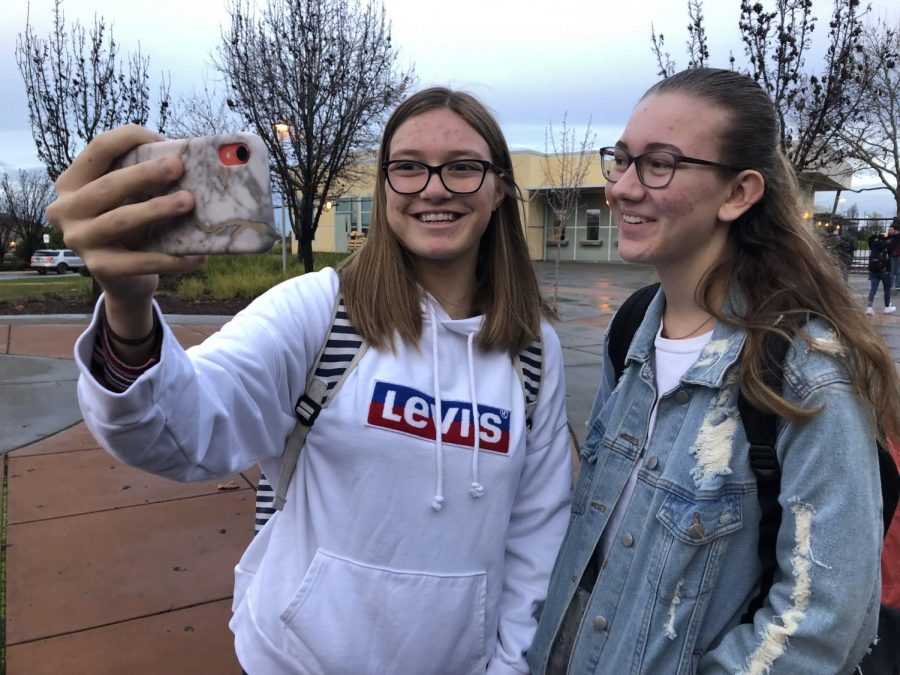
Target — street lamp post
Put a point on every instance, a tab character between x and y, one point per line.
283	129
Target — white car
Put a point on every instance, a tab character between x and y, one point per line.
60	260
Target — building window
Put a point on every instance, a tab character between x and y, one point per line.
359	210
592	228
365	213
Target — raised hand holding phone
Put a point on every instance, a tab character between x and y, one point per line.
105	211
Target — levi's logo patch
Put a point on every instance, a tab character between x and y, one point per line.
413	412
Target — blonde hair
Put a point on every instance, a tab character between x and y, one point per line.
379	284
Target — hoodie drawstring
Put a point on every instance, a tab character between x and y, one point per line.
438	503
477	489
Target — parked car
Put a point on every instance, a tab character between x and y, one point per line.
60	260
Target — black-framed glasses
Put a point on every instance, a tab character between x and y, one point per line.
460	176
655	169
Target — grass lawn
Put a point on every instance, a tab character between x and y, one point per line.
244	276
70	286
222	278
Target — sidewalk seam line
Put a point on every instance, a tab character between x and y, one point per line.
122	621
45	453
125	508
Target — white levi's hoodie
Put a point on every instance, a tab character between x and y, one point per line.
400	549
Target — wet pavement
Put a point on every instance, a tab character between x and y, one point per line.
112	570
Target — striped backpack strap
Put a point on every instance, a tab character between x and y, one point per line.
265	497
529	366
338	357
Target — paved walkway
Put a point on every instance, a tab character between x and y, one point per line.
110	570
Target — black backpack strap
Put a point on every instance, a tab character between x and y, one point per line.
761	432
760	429
890	485
625	324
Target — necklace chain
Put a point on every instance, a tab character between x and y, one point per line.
687	335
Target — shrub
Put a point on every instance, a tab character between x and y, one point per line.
191	287
245	276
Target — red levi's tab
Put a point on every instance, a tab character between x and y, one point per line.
412	412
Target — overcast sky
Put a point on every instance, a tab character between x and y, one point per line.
529	61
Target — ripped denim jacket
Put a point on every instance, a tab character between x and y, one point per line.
683	566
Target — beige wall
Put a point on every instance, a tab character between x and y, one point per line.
362	185
530	171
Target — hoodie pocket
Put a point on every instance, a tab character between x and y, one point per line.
350	617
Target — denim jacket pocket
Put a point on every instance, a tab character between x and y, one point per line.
686	562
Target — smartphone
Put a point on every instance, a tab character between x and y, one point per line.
228	175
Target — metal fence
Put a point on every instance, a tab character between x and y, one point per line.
860	228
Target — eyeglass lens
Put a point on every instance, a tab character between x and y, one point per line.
654	169
461	176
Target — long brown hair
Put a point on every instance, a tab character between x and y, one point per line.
379	284
776	262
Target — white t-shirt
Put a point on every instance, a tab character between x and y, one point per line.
671	359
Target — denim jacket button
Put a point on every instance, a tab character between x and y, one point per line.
697	531
682	396
627	540
600	623
652	463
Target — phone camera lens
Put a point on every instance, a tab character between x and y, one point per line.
243	153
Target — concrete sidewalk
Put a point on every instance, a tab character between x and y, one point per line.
112	570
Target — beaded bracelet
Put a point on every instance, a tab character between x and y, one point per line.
133	342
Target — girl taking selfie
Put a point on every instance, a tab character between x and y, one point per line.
428	503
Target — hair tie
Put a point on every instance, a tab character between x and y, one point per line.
132	342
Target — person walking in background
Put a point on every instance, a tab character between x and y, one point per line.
427	506
659	571
894	234
880	246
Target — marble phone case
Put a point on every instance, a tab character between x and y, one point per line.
233	211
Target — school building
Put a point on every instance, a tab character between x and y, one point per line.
588	235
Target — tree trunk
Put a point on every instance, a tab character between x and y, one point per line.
305	240
306	254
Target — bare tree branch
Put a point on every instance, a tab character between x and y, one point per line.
566	162
24	202
812	106
7	233
697	44
664	64
328	71
204	113
78	87
873	139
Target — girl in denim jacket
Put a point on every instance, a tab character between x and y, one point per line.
666	507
